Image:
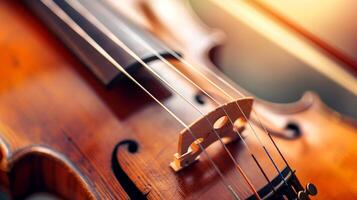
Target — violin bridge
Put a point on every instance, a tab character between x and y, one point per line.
189	148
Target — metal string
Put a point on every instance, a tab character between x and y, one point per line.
91	18
72	24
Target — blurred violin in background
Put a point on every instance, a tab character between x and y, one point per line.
140	99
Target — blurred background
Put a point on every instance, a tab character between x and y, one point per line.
279	71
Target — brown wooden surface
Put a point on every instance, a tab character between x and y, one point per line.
59	126
316	155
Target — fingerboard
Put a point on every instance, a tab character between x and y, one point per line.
116	23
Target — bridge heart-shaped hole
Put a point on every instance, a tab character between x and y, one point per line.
239	123
220	122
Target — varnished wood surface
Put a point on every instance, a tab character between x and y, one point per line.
51	100
325	152
60	125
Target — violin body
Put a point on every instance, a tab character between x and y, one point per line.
63	132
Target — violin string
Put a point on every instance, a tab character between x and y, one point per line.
50	4
272	140
92	19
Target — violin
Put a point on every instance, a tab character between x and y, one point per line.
96	106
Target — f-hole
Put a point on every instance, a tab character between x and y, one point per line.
124	180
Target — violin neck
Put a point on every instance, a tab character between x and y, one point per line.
136	45
105	71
